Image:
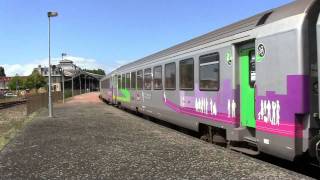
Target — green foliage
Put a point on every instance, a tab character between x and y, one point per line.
2	73
34	81
16	82
96	71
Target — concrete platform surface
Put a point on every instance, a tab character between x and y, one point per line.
88	139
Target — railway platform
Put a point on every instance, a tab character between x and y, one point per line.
88	139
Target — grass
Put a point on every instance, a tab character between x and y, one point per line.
12	128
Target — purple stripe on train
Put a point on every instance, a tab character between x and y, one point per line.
275	113
215	108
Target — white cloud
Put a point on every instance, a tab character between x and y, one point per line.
84	63
26	69
117	64
22	70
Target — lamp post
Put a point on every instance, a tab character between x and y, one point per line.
62	71
50	14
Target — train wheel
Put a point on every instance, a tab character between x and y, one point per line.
314	147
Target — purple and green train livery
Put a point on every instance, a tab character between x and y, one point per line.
252	84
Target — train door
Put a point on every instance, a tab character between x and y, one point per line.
247	89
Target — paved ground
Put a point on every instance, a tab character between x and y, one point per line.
90	140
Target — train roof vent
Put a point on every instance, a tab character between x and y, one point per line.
264	18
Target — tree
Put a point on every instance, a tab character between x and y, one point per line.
96	71
2	73
16	82
35	80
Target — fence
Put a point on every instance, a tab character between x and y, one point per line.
37	101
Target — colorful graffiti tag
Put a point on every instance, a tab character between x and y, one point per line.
124	96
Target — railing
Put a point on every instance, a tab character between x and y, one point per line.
37	101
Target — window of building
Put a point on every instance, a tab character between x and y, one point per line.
170	76
157	78
128	80
186	70
123	85
209	72
133	80
119	82
140	80
147	79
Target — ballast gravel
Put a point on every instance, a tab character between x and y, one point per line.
88	139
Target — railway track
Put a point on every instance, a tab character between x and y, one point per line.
4	105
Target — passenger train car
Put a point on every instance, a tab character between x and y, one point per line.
253	84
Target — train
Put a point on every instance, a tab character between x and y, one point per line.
252	84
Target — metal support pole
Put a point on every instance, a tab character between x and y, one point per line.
72	85
49	86
85	83
90	85
63	86
80	82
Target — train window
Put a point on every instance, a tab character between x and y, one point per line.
114	81
108	83
147	79
157	78
128	80
133	80
119	82
209	72
140	80
103	85
170	76
123	85
186	77
252	68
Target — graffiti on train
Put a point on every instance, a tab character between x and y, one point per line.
206	106
270	112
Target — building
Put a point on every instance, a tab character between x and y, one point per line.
65	66
4	81
68	72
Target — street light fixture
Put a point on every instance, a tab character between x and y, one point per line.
50	14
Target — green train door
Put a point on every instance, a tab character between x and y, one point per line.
247	83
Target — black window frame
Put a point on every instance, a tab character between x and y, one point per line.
252	68
175	77
140	77
119	82
144	78
180	62
134	80
128	83
154	78
106	83
123	81
209	54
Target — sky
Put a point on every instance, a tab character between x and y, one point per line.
109	33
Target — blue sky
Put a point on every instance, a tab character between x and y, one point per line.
109	33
